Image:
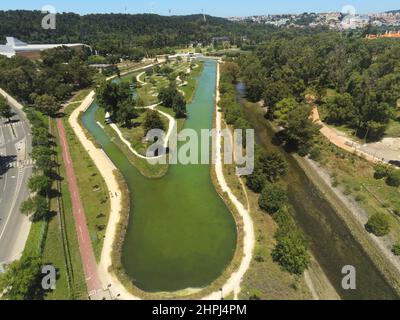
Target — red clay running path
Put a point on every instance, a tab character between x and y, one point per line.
93	282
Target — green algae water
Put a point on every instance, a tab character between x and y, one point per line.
180	234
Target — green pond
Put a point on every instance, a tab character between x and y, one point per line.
181	234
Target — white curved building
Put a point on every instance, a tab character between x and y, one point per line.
33	51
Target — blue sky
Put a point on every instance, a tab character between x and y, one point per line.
221	8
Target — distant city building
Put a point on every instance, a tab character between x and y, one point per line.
354	22
332	20
15	47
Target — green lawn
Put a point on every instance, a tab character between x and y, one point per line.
136	133
61	246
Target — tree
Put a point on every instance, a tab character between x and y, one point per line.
5	109
43	158
47	104
232	70
126	112
300	131
111	96
39	184
280	111
291	253
179	106
393	178
170	97
21	281
36	208
41	137
167	95
379	225
340	108
272	198
256	181
152	121
272	165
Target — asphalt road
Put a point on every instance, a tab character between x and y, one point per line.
15	170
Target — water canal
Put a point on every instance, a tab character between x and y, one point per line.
181	234
331	241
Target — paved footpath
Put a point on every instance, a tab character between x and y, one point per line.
93	282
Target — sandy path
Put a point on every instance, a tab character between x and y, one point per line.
106	168
233	283
171	127
342	142
138	78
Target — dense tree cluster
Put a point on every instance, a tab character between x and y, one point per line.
233	112
291	251
40	184
126	35
48	81
21	281
356	82
117	99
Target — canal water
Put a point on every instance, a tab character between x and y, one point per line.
181	234
331	242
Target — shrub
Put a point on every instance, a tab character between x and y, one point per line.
291	253
396	250
256	181
393	178
379	225
360	198
315	153
272	198
381	171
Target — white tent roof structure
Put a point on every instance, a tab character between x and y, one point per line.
14	45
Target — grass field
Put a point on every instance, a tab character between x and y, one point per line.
136	133
355	177
61	246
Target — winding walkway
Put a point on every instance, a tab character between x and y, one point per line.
171	127
235	280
